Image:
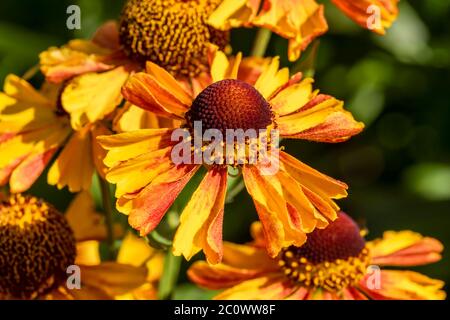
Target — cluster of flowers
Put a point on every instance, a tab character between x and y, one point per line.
110	106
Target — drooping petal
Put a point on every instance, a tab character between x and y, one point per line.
92	96
312	179
403	285
323	119
148	207
74	166
280	229
132	175
98	153
220	276
201	221
114	278
375	15
273	287
404	248
29	170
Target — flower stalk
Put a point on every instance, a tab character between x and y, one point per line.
108	211
261	43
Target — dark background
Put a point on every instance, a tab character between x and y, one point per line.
399	85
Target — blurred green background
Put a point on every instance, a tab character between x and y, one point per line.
399	85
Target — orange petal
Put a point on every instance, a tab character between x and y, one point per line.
220	276
201	221
165	98
280	229
323	119
404	285
271	287
359	11
312	179
300	21
114	278
234	13
149	206
76	58
247	257
29	170
404	248
251	68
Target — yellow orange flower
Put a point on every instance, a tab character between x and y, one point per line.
292	202
376	15
38	236
299	21
334	264
95	70
33	128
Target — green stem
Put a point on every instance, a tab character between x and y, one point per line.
31	72
108	210
261	42
170	276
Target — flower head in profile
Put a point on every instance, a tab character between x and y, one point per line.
299	21
375	15
34	128
291	201
39	245
335	263
95	70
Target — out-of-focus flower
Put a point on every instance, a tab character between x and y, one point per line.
95	70
291	202
335	263
375	15
38	244
299	21
33	128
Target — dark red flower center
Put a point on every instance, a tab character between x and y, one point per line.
340	240
332	258
230	104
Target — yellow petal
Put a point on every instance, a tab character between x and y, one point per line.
293	98
88	253
272	78
74	167
132	118
233	14
84	220
114	278
92	96
201	220
129	145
